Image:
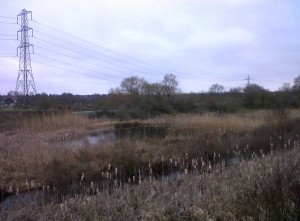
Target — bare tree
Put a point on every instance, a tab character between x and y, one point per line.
133	85
285	87
236	90
254	88
297	83
115	91
170	85
14	93
137	86
153	89
216	88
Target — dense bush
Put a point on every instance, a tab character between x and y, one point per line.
125	106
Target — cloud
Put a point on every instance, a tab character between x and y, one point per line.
218	38
199	41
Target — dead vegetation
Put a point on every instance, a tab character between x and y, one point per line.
222	148
265	188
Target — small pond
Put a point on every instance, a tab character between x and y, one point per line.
31	197
93	140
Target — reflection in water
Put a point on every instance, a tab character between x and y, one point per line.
94	140
32	197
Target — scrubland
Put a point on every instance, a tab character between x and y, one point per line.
242	166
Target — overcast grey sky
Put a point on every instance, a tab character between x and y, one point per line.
202	42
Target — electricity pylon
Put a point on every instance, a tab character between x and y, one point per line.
25	83
248	81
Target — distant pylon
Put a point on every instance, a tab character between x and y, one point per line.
25	82
248	81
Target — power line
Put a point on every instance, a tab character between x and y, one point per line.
140	71
53	59
79	52
103	48
10	23
122	66
65	55
8	56
163	70
6	35
69	70
6	17
8	39
104	55
107	56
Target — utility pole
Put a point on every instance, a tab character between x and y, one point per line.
25	83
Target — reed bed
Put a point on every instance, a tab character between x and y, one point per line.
212	121
54	122
263	188
30	156
210	162
43	151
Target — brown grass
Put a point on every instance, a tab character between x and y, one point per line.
263	189
211	122
28	153
65	121
39	151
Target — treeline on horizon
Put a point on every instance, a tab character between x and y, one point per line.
136	98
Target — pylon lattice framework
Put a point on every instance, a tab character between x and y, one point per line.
25	82
248	79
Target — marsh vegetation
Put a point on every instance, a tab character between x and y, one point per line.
241	166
